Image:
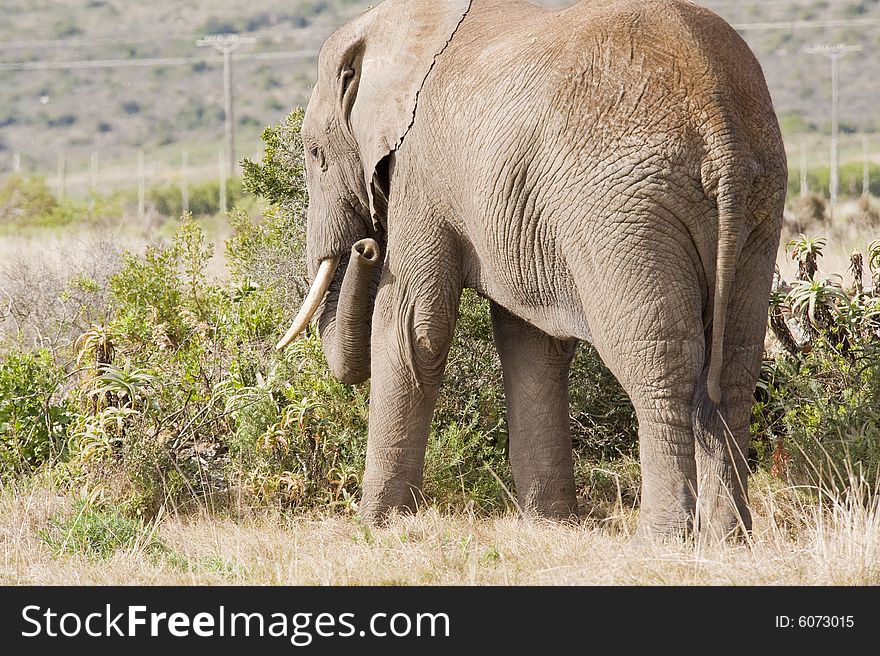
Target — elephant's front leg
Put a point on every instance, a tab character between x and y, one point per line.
536	369
416	310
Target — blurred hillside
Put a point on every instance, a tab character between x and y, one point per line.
90	84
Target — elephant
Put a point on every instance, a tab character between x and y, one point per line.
610	172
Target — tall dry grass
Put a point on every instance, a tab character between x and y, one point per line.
832	540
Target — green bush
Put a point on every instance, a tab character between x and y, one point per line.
603	419
155	295
816	418
28	201
280	177
32	421
850	178
179	399
204	198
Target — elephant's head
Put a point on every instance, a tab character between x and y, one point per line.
370	73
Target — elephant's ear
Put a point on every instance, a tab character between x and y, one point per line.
394	48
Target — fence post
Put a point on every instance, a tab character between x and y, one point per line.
94	181
16	162
93	186
142	186
804	187
184	183
866	169
222	161
62	174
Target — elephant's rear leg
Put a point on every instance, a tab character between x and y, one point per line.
649	332
722	434
536	369
661	377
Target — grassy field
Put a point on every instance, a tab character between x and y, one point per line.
47	538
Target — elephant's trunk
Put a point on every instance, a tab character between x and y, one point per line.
346	320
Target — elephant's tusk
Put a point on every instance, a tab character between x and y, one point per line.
313	301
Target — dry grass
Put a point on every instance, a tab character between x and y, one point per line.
835	542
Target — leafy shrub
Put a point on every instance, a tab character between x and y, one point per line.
280	177
181	398
817	417
28	201
817	413
32	421
468	445
177	397
604	423
204	198
151	291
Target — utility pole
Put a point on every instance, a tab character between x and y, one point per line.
62	174
834	53
222	198
227	44
804	187
184	183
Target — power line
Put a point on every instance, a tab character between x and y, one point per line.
125	40
809	24
147	62
288	33
276	34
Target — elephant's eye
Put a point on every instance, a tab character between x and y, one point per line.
317	154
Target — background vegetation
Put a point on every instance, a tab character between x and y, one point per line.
144	384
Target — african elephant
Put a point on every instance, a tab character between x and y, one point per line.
611	172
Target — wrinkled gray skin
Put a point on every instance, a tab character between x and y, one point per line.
610	172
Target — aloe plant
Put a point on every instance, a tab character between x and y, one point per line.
815	302
807	251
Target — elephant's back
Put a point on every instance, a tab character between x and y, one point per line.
666	70
603	94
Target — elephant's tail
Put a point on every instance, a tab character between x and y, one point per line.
731	202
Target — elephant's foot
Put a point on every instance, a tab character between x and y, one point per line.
380	502
555	502
653	527
724	520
